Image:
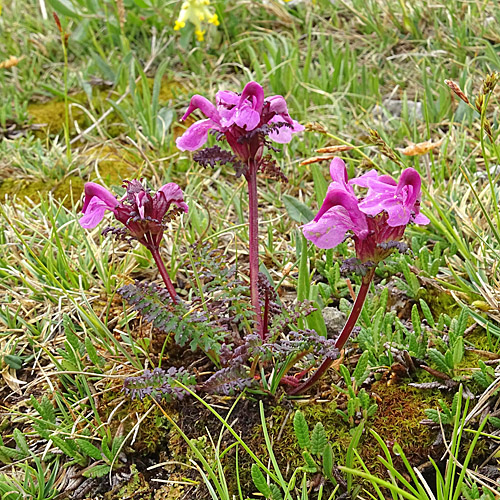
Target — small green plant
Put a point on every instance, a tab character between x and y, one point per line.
485	376
360	405
317	454
447	414
37	483
449	354
412	485
411	284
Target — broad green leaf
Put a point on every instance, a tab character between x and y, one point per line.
65	8
361	373
89	449
260	481
97	471
301	429
297	210
318	439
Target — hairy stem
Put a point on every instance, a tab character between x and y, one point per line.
253	241
163	272
344	335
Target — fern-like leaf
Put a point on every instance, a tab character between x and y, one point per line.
260	481
301	430
318	439
439	360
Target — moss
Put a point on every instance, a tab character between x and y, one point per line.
154	431
113	164
440	302
51	114
400	411
69	189
479	339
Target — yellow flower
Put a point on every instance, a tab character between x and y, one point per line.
196	12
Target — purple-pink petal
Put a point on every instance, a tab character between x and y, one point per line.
277	105
410	178
255	93
173	194
94	213
246	117
338	171
283	134
421	219
195	136
205	106
93	190
330	230
365	179
227	98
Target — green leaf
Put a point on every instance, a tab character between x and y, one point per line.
311	465
462	322
495	421
303	287
12	453
427	313
260	481
328	463
316	322
415	320
65	8
297	210
275	492
89	449
458	351
432	414
68	448
370	412
15	362
439	360
361	373
69	331
301	429
97	471
115	446
318	439
21	442
346	375
91	352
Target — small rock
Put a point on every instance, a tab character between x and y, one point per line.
393	108
334	321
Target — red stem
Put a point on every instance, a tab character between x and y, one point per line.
253	242
163	272
346	332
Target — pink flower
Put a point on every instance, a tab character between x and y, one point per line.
142	214
375	222
401	201
236	116
97	201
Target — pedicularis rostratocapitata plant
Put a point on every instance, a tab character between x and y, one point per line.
376	221
143	215
246	122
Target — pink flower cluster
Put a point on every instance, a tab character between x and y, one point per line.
373	221
141	213
236	116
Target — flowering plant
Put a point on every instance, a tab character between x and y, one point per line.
376	223
143	215
246	122
196	12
